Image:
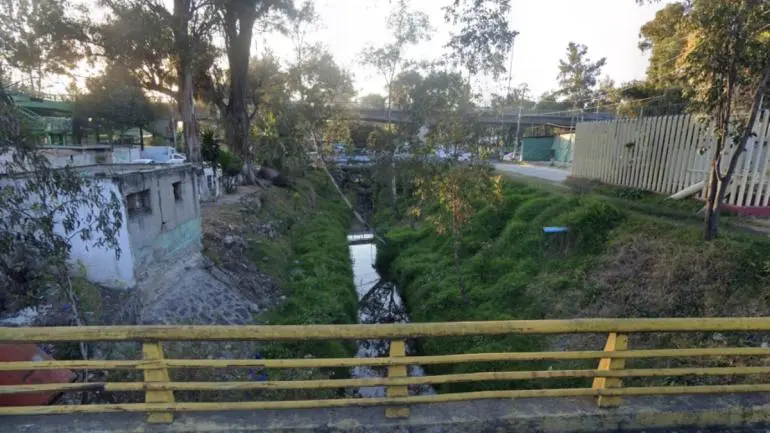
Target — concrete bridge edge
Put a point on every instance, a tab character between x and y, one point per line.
648	414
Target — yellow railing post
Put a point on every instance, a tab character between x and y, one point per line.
615	342
397	349
154	352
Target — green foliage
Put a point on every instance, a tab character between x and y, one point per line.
236	20
210	151
39	37
578	75
318	277
507	258
115	102
609	264
484	38
665	37
372	101
43	210
727	69
232	166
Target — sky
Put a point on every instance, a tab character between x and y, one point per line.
610	28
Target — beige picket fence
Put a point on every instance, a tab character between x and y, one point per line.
666	154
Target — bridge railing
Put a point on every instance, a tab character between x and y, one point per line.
159	390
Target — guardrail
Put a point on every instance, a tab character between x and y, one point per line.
159	390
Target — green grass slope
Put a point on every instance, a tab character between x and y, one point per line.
611	263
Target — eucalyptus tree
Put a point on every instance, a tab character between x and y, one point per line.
237	21
164	44
41	38
407	28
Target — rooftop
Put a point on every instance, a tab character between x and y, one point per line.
122	170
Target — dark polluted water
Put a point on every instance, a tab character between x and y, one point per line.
378	302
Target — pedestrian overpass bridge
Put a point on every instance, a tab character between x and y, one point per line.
564	119
736	398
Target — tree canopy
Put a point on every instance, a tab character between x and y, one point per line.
578	75
115	102
40	37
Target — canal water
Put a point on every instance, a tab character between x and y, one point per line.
378	302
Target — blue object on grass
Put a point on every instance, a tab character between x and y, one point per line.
555	229
258	374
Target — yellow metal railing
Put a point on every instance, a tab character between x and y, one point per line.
159	389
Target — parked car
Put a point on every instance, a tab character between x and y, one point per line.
464	157
162	155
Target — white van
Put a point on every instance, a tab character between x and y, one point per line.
162	155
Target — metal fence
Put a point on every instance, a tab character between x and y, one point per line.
159	389
669	153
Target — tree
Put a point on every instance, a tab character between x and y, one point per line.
518	96
115	102
276	125
484	39
403	89
458	190
725	68
638	98
728	67
443	101
578	75
372	101
665	37
324	89
360	133
165	48
407	28
237	19
39	37
43	209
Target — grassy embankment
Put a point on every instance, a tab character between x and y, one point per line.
305	251
613	263
310	260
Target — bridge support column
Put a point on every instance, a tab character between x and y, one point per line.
154	352
397	350
615	342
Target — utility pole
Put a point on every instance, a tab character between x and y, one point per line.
508	91
518	126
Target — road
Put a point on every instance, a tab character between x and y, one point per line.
547	173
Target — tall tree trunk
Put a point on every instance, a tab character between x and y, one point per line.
724	115
189	122
141	138
712	206
183	13
236	111
239	20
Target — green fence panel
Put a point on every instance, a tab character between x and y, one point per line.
563	147
537	148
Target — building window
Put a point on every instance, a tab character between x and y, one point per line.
138	203
210	182
177	190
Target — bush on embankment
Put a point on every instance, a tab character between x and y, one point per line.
611	263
